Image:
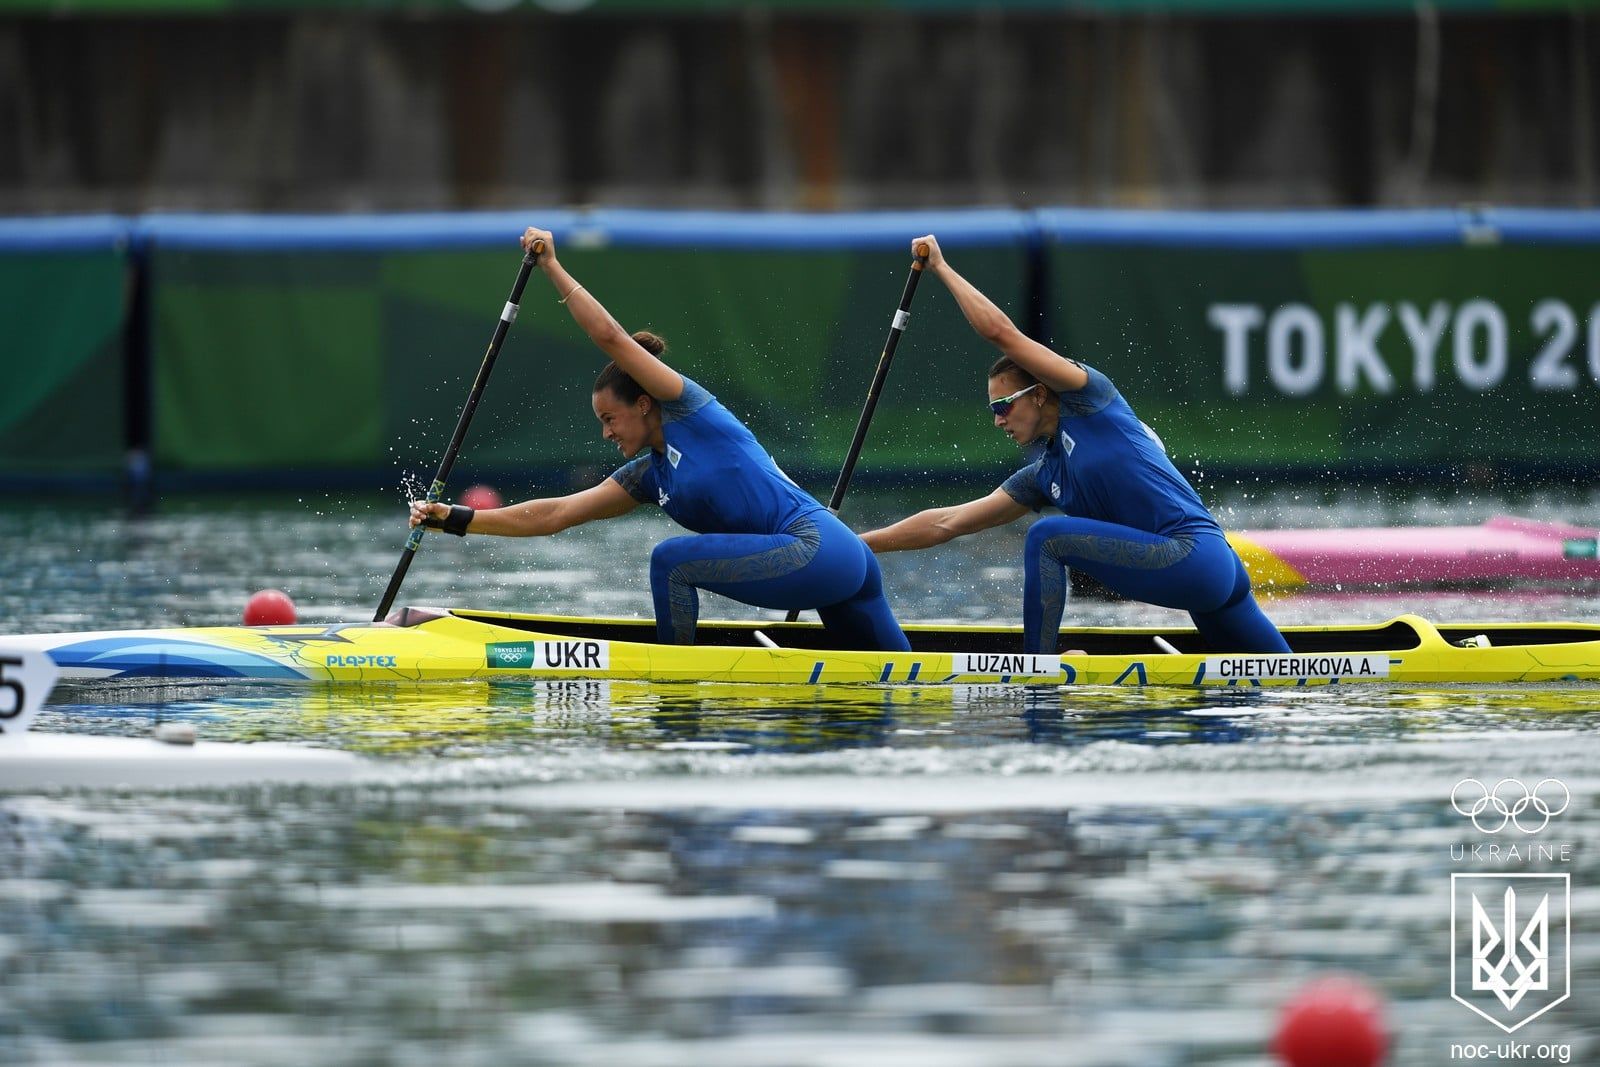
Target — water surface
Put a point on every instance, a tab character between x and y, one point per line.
610	872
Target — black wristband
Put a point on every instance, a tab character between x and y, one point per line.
456	522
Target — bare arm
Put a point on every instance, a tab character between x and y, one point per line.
654	376
539	518
938	525
996	327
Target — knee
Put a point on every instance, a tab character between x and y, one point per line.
1038	538
668	555
1043	543
670	551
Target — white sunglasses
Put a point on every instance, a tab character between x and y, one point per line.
1002	406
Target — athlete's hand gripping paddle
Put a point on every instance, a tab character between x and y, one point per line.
897	326
508	315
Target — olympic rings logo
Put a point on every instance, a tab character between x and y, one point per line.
1491	804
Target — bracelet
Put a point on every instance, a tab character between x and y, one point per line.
456	522
570	294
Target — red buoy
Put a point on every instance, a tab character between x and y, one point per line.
480	498
269	607
1335	1021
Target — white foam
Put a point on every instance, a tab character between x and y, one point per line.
44	761
795	982
575	902
946	794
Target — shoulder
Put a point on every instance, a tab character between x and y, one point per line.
1093	397
637	476
692	399
1023	486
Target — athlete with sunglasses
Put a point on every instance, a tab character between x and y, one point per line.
1130	519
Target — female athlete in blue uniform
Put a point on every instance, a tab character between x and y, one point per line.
759	538
1131	520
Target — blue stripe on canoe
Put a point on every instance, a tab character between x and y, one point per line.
153	657
816	671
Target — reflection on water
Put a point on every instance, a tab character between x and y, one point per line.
480	719
608	872
461	928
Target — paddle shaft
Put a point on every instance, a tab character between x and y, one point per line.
897	326
508	315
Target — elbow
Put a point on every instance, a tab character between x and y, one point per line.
1002	333
990	329
606	333
549	525
610	338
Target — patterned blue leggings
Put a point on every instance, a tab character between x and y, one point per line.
818	562
1199	573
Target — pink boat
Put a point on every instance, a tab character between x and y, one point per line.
1503	550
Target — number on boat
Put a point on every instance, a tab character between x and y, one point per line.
18	692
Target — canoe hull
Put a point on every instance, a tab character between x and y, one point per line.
432	645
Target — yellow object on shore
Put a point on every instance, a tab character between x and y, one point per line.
1267	570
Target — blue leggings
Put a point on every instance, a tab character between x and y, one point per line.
1198	573
817	562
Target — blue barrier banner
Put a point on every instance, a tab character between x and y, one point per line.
316	344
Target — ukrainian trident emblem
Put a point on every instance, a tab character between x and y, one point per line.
1518	940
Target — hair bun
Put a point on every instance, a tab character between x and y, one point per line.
651	343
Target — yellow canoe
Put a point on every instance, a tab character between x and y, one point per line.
422	644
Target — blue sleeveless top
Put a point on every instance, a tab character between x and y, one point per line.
714	476
1103	463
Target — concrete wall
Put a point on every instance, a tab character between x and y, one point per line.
316	111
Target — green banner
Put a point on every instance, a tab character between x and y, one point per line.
62	405
1382	356
268	360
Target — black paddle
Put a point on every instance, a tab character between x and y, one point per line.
897	326
508	315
